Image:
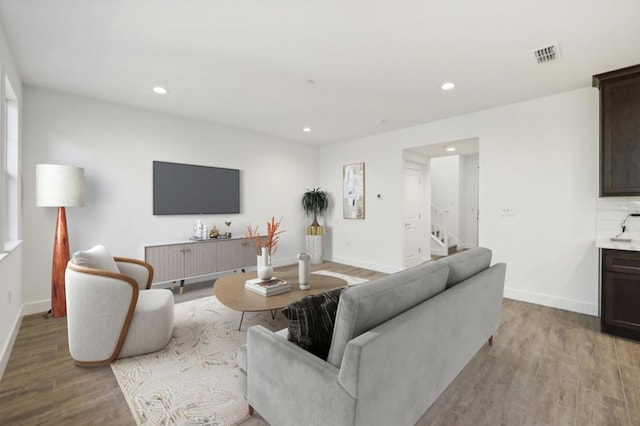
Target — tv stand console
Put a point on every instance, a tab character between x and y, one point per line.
181	260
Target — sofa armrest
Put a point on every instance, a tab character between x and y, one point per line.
281	376
139	270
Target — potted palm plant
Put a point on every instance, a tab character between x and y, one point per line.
315	202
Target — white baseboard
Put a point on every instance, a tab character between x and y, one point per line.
8	344
552	301
40	306
366	265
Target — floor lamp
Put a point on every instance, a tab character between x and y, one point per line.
59	186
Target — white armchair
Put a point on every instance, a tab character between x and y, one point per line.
111	310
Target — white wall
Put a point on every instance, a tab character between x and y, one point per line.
10	263
539	157
116	145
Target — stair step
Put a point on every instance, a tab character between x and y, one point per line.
453	249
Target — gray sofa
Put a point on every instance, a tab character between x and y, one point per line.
397	343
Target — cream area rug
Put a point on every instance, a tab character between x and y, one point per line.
351	280
193	381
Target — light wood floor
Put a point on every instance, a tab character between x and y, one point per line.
546	367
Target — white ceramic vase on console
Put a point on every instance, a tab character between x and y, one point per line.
265	270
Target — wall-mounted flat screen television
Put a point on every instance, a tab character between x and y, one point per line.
190	189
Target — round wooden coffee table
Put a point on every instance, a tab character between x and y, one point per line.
231	293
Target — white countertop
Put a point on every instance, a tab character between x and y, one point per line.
606	243
187	241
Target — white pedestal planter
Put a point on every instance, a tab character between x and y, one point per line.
314	248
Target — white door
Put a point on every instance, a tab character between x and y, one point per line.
476	210
414	236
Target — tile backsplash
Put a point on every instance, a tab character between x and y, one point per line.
612	212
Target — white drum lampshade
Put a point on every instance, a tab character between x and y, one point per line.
59	186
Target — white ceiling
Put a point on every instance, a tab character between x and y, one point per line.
377	65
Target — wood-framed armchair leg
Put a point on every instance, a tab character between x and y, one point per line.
491	340
251	410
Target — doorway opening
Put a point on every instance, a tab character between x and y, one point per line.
441	200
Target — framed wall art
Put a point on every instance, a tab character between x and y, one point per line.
353	191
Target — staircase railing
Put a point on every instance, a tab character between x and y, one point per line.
439	223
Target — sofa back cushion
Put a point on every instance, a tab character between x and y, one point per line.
368	305
466	264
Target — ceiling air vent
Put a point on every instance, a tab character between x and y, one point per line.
547	54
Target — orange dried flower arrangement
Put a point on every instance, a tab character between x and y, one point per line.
272	237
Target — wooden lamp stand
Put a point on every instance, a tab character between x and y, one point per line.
60	260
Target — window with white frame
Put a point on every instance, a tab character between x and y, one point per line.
11	175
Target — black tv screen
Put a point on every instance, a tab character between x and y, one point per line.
190	189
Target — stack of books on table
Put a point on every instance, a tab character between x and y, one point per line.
269	287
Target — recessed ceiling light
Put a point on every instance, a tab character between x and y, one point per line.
160	90
448	86
306	129
451	149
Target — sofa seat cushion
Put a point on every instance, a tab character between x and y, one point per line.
311	320
363	307
96	258
466	264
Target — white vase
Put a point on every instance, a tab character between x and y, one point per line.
265	270
304	275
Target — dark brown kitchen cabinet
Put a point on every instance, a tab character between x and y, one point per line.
620	293
619	131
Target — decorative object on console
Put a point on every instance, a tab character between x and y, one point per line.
304	276
227	221
315	202
353	191
59	186
199	231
